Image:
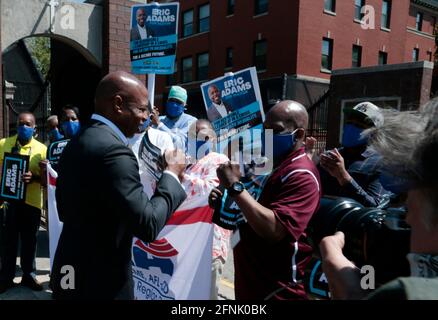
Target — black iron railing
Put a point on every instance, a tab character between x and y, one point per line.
318	120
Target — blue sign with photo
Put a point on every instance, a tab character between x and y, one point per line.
154	37
233	103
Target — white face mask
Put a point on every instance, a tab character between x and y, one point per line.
423	265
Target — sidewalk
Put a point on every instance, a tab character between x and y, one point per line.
43	270
226	288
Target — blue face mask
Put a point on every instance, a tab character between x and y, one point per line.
352	136
142	128
282	144
71	128
174	109
55	135
25	133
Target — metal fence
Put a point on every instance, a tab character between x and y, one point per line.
29	96
318	121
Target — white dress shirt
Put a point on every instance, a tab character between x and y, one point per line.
142	31
221	108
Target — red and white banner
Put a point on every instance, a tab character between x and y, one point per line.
177	266
55	225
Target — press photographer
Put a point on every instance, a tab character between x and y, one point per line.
413	162
378	240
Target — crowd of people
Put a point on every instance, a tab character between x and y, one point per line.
109	191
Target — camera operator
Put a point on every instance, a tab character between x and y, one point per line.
353	171
408	143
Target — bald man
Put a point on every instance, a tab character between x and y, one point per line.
272	253
218	108
100	197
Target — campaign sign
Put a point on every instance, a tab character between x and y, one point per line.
150	155
227	213
234	107
13	186
154	37
55	150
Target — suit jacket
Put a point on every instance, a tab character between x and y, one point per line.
213	114
135	34
100	200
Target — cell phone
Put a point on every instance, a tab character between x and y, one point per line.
330	153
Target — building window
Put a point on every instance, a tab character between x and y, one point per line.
230	7
357	56
429	55
386	14
202	66
330	5
171	78
419	22
188	23
383	58
358	4
260	54
204	18
229	58
415	54
186	67
327	54
261	6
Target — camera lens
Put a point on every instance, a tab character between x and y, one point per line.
372	236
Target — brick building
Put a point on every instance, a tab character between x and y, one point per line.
303	39
293	43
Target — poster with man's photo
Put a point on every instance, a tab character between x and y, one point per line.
234	105
154	37
13	187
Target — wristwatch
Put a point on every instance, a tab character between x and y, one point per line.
236	188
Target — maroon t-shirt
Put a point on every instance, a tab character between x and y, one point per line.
275	270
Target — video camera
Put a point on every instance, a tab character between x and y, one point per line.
374	237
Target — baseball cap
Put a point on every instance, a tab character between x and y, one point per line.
179	93
366	111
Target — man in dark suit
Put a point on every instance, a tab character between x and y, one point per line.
141	31
218	108
100	197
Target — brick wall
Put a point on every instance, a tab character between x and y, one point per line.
345	31
116	53
398	42
408	83
239	32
